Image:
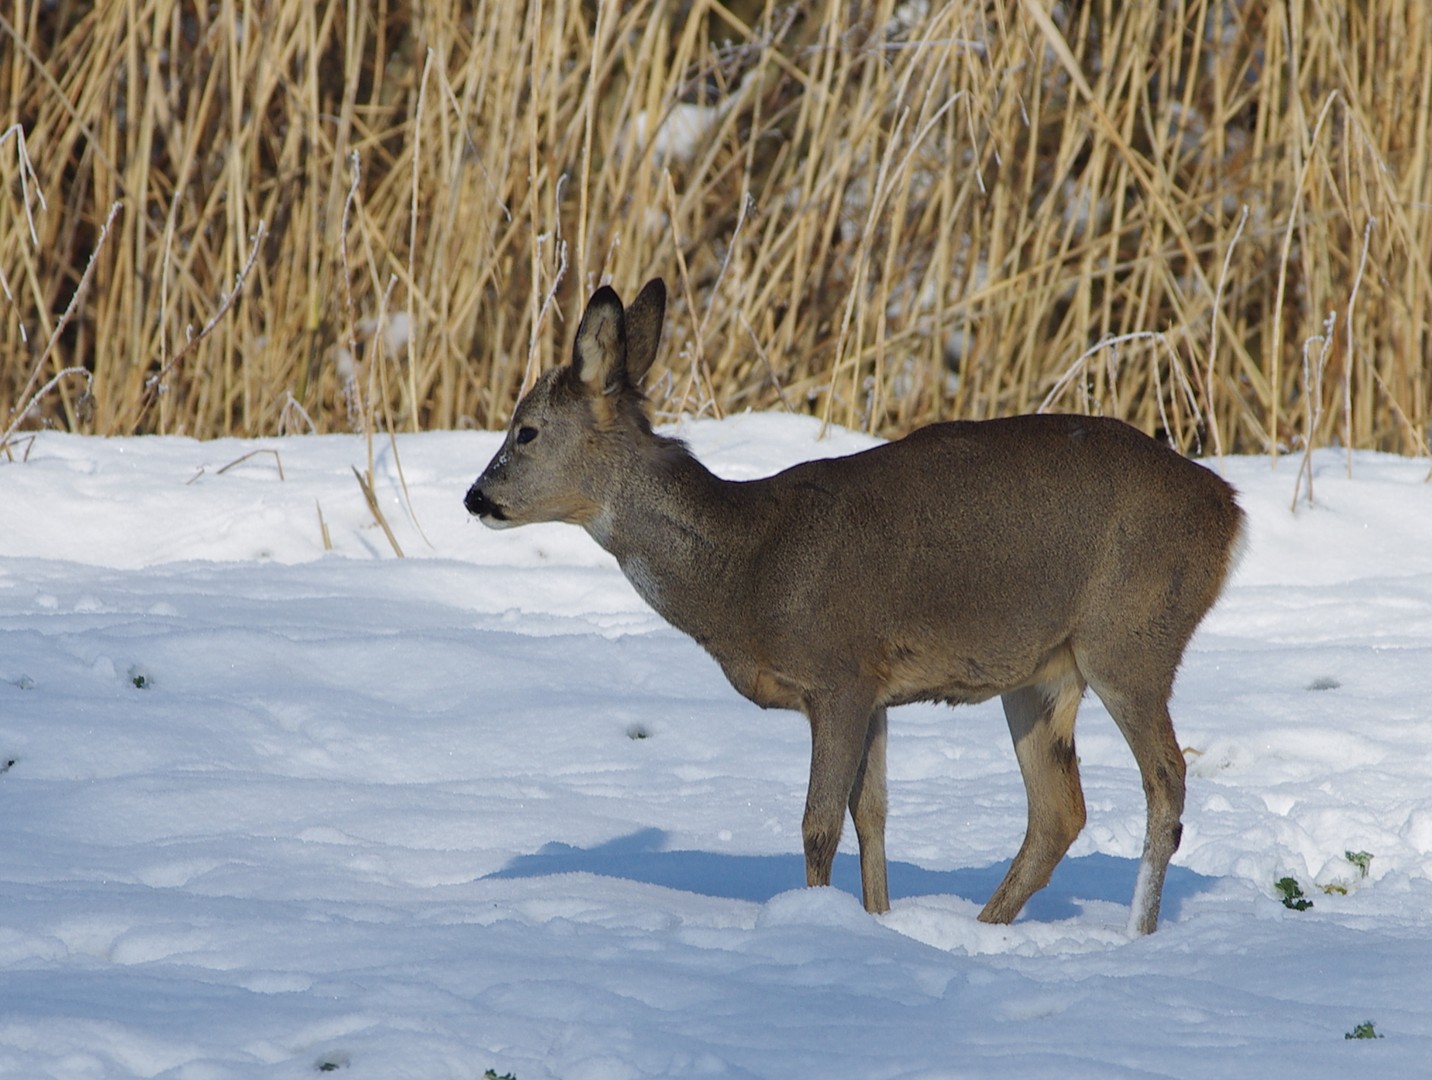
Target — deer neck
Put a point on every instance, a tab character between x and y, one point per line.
675	530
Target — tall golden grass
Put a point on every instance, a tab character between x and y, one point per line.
1210	217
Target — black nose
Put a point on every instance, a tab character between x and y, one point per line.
477	503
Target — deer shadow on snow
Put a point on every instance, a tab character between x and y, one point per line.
643	856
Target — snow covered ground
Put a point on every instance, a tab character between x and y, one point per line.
274	811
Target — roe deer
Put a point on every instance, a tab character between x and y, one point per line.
1028	557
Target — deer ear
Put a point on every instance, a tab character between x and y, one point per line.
643	327
599	354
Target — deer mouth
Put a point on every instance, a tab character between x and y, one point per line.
484	509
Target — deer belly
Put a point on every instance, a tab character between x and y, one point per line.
909	674
764	685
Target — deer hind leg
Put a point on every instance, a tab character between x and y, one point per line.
840	737
867	810
1143	718
1041	722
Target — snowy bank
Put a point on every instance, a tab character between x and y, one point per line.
275	809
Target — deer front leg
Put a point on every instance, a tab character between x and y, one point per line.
839	729
867	810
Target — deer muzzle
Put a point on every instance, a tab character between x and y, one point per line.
483	508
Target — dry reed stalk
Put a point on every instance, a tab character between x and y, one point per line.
376	509
323	532
277	460
882	214
1313	374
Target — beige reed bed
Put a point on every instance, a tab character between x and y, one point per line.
1212	218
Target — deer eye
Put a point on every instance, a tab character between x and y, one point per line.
526	434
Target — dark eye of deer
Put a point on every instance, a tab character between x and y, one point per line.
526	434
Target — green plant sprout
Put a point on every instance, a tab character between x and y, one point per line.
1292	894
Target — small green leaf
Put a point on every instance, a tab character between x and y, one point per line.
1291	894
1364	1030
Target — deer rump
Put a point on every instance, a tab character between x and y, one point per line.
1028	557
